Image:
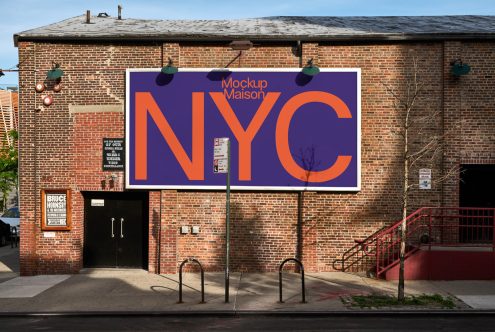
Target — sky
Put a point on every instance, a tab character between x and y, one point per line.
21	15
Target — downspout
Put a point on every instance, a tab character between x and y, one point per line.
442	159
299	53
300	198
35	194
158	258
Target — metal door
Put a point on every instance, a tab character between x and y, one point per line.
115	230
477	190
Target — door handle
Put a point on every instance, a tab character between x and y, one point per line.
121	230
113	219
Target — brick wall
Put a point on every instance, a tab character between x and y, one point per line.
60	148
469	108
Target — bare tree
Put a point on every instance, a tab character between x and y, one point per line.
418	146
307	157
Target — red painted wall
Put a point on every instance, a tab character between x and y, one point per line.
447	265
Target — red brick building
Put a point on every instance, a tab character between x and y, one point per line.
61	144
9	108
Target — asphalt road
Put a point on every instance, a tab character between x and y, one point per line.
252	323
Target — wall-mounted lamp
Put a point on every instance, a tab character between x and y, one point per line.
55	73
1	73
241	45
112	180
47	100
310	69
169	69
458	68
40	87
57	87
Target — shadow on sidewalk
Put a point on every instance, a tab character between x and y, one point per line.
9	262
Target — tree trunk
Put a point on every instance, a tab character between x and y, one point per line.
403	226
402	253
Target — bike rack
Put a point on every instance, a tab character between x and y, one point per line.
280	278
192	260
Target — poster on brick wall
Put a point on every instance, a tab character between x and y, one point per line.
288	131
113	154
55	209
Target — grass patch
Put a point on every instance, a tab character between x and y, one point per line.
378	301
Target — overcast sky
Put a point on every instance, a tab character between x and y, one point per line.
20	15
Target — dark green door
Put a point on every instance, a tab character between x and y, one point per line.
115	232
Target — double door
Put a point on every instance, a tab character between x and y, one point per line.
115	233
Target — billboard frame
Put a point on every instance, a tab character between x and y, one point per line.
244	188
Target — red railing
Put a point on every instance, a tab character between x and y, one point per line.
435	227
427	228
360	257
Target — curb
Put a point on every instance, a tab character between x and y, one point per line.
241	313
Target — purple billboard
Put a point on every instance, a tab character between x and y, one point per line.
288	131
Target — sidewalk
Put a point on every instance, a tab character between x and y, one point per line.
120	290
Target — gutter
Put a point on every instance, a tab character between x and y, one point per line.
258	38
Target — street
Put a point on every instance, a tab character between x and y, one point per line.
358	322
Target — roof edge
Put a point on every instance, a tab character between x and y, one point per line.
265	38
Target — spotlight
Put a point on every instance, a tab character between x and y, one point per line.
310	69
169	69
55	73
459	68
241	45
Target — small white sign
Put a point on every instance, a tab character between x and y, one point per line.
97	202
220	148
425	178
220	166
48	234
220	155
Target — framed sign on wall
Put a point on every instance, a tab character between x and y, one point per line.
55	210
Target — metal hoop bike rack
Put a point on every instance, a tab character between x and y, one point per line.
280	279
192	260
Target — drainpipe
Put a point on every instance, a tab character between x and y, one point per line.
300	197
158	258
299	53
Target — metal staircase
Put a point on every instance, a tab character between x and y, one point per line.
427	228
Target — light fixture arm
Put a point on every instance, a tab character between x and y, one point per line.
233	60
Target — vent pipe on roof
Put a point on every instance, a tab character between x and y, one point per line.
120	11
88	16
